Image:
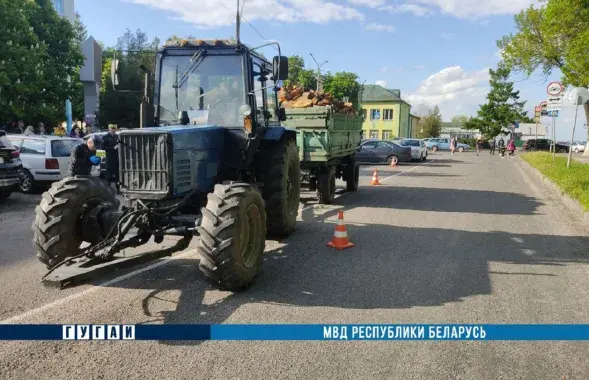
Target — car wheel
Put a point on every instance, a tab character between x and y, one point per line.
27	182
460	149
435	148
576	150
562	150
392	158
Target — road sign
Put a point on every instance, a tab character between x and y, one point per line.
553	113
554	88
554	103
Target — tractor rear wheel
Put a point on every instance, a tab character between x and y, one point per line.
280	173
326	185
232	235
57	229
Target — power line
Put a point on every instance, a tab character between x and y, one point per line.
247	22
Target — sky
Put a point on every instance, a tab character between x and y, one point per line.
437	52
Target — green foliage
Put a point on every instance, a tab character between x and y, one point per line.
431	124
39	52
342	84
122	108
574	181
298	75
554	36
459	121
503	106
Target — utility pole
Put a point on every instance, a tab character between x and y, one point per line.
237	22
319	84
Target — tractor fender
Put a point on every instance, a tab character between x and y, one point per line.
276	133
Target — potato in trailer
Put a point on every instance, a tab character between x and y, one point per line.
327	142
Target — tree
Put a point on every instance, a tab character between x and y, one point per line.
122	108
342	84
431	124
20	58
77	86
503	106
298	75
554	36
459	121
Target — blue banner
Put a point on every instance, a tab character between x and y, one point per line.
290	332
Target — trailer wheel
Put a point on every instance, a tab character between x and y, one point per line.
57	230
232	235
326	185
281	175
352	175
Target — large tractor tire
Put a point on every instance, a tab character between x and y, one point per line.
57	229
232	235
352	175
281	176
326	185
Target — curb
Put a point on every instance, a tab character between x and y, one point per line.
569	202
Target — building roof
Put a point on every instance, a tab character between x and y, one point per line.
376	93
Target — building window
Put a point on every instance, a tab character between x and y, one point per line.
373	134
387	135
59	7
387	114
374	114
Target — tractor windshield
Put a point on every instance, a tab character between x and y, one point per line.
209	87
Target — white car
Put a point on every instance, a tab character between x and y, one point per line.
418	148
45	159
579	147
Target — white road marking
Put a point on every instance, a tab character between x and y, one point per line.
167	260
408	170
74	296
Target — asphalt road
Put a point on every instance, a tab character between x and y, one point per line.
460	239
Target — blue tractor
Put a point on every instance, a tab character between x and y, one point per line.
210	159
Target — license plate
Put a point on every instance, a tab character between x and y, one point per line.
101	153
1	160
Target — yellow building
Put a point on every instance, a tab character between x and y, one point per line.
386	115
415	133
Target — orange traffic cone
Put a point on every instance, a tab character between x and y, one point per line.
340	237
375	180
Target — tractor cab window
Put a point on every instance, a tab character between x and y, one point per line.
265	92
209	87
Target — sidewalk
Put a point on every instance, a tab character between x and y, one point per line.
580	158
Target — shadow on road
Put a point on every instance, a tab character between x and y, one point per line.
390	268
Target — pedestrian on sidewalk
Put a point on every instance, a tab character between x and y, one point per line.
452	145
511	148
492	145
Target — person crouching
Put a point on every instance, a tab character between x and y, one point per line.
83	157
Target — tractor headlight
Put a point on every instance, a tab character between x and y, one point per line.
245	110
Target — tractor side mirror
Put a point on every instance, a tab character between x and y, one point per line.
114	72
281	114
280	68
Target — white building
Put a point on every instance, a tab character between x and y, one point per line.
65	8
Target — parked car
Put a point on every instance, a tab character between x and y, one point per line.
543	145
10	166
45	159
375	151
444	144
418	148
579	146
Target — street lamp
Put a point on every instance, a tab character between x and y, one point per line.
318	71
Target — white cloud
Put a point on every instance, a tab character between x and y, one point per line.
446	36
368	3
415	9
379	27
477	8
219	13
382	83
453	89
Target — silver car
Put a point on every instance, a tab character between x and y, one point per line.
418	148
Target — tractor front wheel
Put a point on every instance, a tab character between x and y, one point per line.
232	235
57	230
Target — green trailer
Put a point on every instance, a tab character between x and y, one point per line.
327	142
